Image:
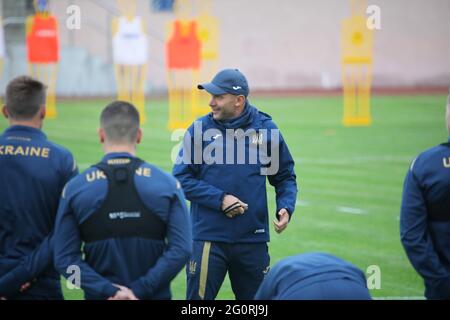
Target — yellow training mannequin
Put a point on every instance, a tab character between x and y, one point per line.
357	52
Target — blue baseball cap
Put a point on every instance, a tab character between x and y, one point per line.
227	81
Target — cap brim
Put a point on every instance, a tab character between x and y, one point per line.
211	88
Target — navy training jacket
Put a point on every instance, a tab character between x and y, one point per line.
425	219
297	276
208	175
33	172
146	266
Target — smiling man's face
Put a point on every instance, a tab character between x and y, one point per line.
225	106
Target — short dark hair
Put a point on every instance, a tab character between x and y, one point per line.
120	120
24	97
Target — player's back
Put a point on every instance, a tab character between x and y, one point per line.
123	226
314	276
33	172
425	217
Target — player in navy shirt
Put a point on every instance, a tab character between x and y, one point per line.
425	217
224	175
33	172
313	276
131	217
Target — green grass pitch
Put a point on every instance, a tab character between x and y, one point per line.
350	179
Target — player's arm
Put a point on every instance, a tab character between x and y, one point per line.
414	233
284	180
33	264
69	167
29	269
67	252
195	189
177	253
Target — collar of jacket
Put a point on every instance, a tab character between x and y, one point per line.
15	129
245	119
114	155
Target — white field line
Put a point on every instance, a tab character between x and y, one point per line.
302	203
344	209
355	160
351	210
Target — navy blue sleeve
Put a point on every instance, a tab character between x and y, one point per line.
70	167
188	174
178	250
67	252
414	232
29	268
284	180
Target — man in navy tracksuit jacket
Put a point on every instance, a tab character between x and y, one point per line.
222	167
425	217
130	215
33	172
313	276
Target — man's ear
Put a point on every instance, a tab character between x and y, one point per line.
5	112
101	135
240	100
42	112
139	136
